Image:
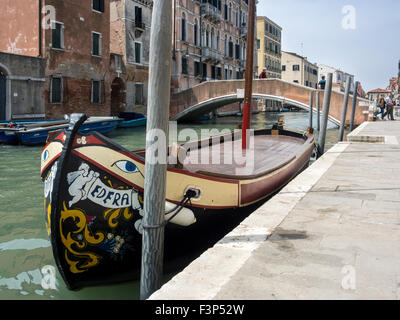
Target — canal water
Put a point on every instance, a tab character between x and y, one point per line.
26	258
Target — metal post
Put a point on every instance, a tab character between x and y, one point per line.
353	108
325	113
156	164
318	112
310	123
344	108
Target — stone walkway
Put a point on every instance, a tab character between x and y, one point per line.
332	233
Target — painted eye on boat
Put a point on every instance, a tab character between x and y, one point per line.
45	155
126	166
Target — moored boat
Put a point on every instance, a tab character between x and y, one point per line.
131	120
94	192
37	133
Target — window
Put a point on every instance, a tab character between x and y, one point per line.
196	33
96	92
258	44
98	5
230	48
138	17
56	89
237	51
296	67
283	68
96	44
204	70
57	35
213	72
183	27
197	70
219	73
184	65
138	52
139	96
296	81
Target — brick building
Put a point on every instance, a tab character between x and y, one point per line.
73	37
130	46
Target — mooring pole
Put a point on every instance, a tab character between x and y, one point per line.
344	108
318	113
156	146
325	114
353	107
248	90
310	122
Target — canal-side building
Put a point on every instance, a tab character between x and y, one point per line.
375	94
22	81
130	22
269	37
73	37
298	69
339	77
209	41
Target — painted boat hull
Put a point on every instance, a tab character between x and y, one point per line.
7	137
94	202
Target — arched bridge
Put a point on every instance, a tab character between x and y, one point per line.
207	96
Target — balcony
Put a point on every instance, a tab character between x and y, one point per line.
211	13
139	25
211	55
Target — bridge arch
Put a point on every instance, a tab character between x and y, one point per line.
207	96
197	110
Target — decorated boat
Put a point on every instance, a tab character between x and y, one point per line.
94	192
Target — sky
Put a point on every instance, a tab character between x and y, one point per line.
361	37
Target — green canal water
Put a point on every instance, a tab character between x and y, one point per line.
25	250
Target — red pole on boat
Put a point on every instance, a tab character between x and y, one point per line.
248	91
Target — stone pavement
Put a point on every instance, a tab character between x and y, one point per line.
332	233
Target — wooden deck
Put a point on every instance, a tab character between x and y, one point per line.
270	153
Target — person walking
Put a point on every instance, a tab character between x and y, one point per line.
381	105
389	107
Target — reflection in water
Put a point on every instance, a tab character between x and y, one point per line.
25	250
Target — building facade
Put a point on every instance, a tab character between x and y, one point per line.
209	41
73	37
269	54
130	24
298	69
338	77
375	94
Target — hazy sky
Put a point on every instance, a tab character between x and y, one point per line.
370	51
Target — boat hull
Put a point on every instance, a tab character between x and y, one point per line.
94	202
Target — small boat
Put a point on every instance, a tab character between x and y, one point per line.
94	193
131	120
37	133
8	135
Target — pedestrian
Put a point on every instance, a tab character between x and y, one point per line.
263	74
322	83
389	107
381	105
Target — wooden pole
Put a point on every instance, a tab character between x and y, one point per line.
318	113
248	91
155	171
310	120
353	107
344	108
325	114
